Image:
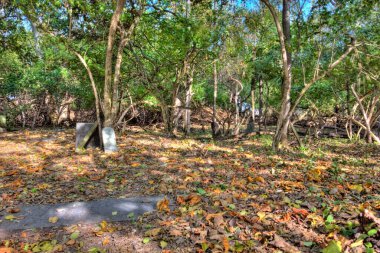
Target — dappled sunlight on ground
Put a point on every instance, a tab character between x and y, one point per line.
253	189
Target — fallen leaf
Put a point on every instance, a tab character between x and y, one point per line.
175	232
333	247
193	199
70	242
10	217
13	210
106	241
163	205
282	244
226	244
163	244
153	232
300	211
53	219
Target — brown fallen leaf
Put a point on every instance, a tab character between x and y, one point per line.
153	232
175	232
13	210
280	243
70	242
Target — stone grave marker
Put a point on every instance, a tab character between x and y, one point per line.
85	140
3	123
109	139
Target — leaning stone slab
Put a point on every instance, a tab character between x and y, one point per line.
37	216
86	136
109	140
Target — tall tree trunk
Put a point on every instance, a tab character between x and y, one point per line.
108	87
119	57
214	124
251	122
188	98
260	104
283	31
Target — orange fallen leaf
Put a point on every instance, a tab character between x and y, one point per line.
300	211
7	250
193	199
106	241
258	179
181	200
163	205
226	244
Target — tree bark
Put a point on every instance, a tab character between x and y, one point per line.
283	31
188	98
119	57
108	89
251	122
367	125
214	124
260	104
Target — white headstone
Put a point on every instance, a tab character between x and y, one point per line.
109	139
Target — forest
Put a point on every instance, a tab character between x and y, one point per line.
189	126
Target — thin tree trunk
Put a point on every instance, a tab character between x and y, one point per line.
367	124
283	31
214	125
251	122
188	98
97	99
260	104
117	72
108	87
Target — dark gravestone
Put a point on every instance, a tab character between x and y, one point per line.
81	130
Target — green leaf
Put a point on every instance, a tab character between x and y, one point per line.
146	240
330	218
131	215
163	244
372	232
74	235
333	247
201	191
308	244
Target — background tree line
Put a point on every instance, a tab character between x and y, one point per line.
242	64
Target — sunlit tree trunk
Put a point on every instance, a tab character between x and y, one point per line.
214	124
260	104
188	98
283	31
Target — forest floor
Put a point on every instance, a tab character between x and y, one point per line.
226	196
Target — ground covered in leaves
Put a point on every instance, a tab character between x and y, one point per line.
222	196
